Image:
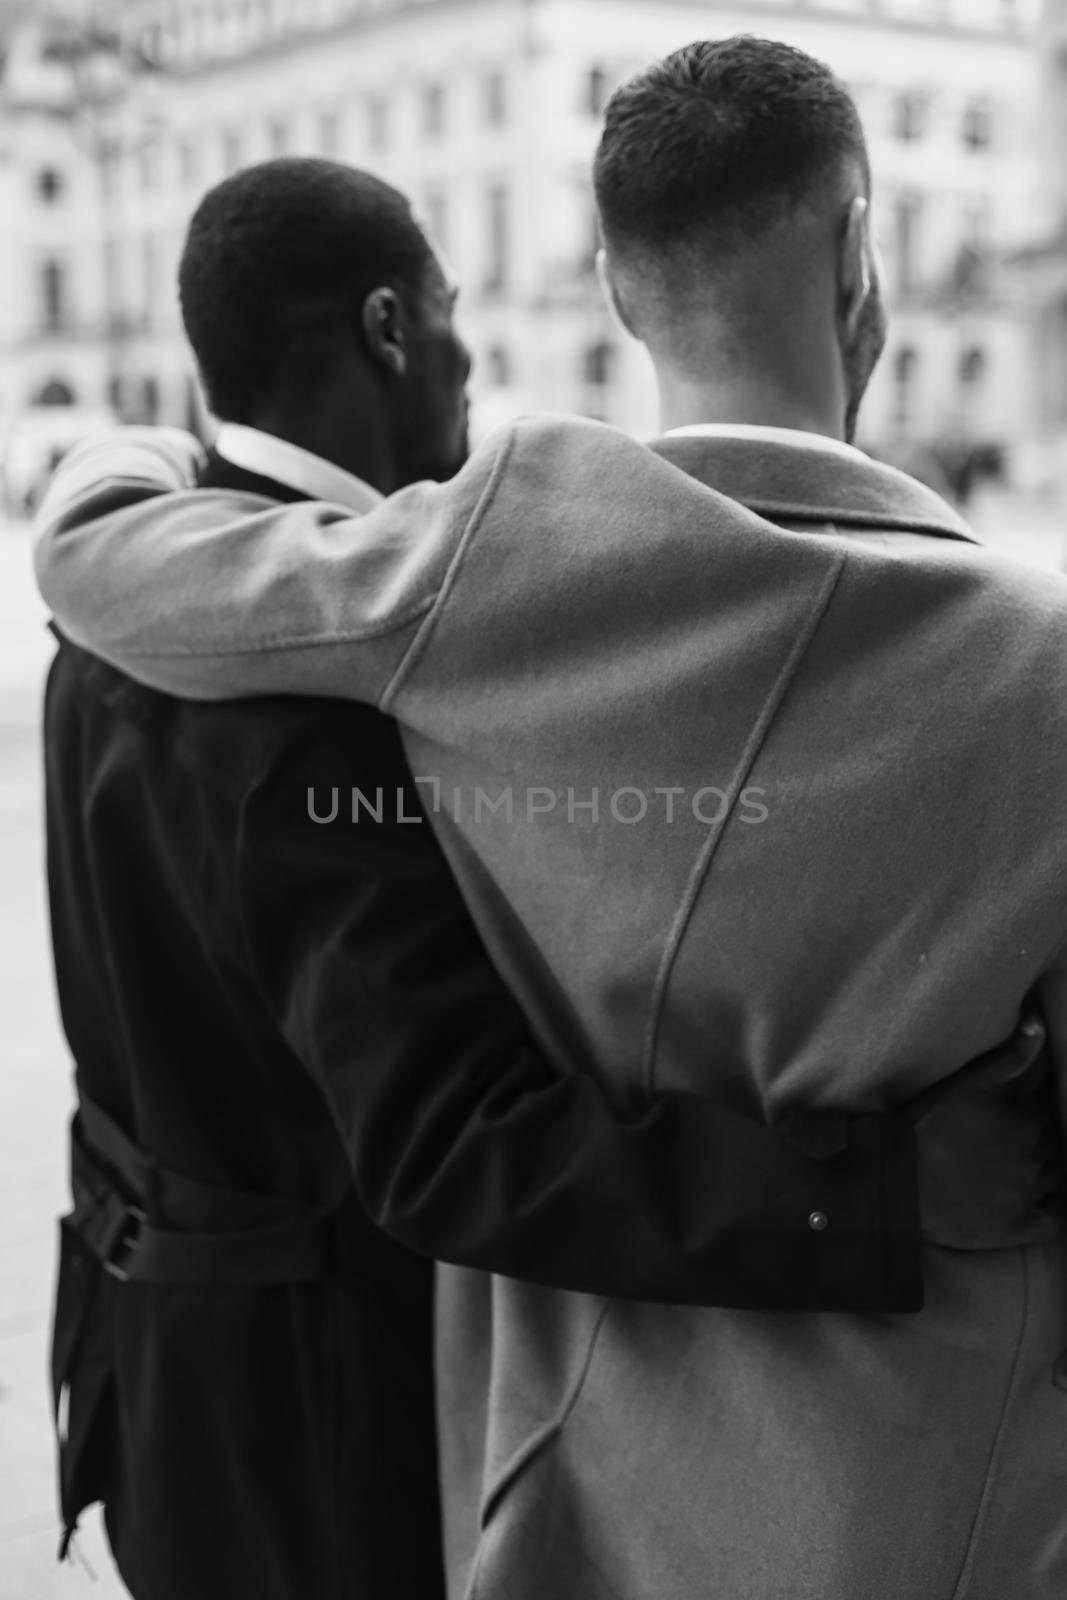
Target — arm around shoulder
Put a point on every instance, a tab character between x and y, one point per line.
214	595
467	1145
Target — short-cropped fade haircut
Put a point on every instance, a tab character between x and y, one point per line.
716	142
274	254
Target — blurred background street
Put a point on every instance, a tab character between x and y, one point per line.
35	1100
117	115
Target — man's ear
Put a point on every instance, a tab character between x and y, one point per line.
383	328
857	266
609	288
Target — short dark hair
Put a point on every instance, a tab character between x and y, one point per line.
721	135
274	254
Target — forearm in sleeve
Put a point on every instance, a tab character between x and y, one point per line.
466	1145
213	594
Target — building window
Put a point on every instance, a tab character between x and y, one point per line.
232	151
55	392
596	91
112	277
498	367
189	160
329	131
50	185
53	291
153	286
973	367
907	228
497	238
433	111
599	364
377	122
905	374
971	274
978	221
110	159
910	112
279	136
495	91
149	400
978	124
437	216
148	163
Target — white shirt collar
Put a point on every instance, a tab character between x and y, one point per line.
298	469
758	434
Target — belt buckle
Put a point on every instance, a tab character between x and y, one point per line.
124	1243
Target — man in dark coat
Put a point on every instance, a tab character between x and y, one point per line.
289	1036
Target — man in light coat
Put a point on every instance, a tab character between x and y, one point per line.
741	748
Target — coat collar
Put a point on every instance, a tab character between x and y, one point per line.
796	483
218	473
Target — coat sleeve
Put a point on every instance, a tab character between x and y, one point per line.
213	594
466	1145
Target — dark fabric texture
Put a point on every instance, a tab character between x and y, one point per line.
268	1442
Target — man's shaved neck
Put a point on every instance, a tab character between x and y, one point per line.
768	356
346	425
745	330
752	398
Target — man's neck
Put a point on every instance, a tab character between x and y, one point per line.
752	401
358	444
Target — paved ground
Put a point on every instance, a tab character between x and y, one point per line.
35	1084
34	1106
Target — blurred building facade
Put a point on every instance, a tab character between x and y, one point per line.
1041	268
487	112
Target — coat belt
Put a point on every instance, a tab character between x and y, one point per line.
114	1183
